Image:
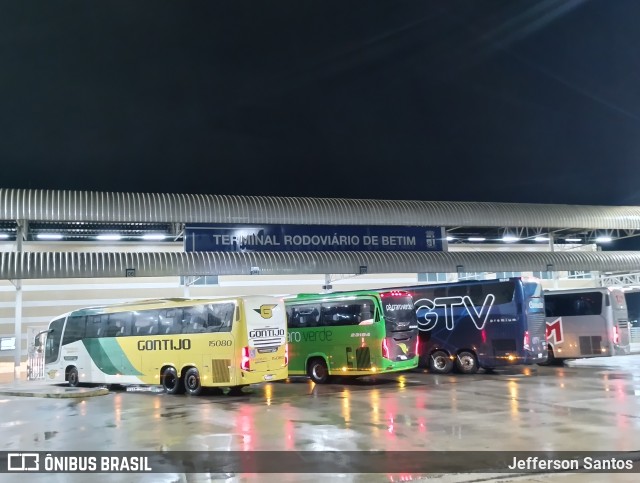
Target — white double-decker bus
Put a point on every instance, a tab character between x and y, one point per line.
588	322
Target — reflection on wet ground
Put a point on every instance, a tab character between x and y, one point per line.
518	409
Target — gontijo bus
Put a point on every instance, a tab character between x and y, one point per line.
480	324
183	344
351	334
587	322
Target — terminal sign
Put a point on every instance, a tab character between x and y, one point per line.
290	238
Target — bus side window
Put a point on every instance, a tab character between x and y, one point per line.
476	294
74	330
440	292
220	317
145	322
457	291
169	322
194	319
119	324
96	326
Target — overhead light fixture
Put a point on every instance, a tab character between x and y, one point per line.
109	237
4	236
573	240
510	238
476	239
49	236
541	239
603	239
154	236
451	238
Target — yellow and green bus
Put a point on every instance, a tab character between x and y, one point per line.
359	333
182	344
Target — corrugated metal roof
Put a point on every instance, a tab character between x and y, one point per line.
87	206
40	265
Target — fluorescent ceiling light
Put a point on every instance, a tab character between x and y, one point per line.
4	236
603	239
573	240
510	238
476	238
49	236
450	238
110	237
153	236
541	239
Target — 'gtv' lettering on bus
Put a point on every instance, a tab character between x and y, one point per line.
164	345
429	319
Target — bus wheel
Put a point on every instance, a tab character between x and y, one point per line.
171	382
317	370
440	363
466	363
192	382
72	377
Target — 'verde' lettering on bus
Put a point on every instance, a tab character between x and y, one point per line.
323	335
265	333
430	317
164	345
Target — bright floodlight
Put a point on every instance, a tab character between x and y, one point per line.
510	238
541	239
573	240
603	239
153	236
476	239
109	237
49	236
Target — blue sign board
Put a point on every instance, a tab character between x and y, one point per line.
306	238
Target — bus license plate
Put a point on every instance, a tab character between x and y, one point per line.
268	377
539	355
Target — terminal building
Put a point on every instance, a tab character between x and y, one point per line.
63	250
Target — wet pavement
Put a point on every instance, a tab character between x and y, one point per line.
595	406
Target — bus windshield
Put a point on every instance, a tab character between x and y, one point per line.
398	311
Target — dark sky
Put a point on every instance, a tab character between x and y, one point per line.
492	100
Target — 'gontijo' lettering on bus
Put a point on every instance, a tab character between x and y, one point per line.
265	333
164	345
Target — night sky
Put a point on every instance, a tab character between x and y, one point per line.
492	100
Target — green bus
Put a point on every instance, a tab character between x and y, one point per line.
358	333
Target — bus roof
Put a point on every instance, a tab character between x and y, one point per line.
340	294
149	304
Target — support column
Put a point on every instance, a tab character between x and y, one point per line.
21	232
554	274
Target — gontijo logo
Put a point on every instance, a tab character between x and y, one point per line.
266	310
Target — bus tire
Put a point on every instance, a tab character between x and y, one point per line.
466	363
192	384
72	377
171	383
317	370
440	363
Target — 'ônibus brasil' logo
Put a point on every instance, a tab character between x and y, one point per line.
266	310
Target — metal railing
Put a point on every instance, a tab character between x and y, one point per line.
35	364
